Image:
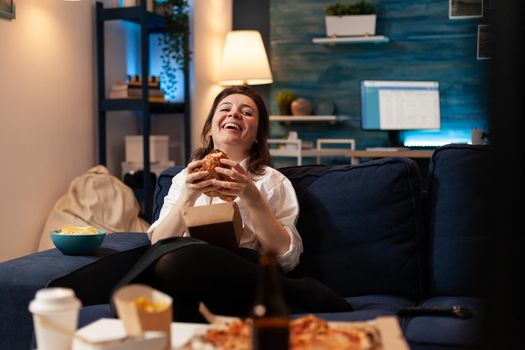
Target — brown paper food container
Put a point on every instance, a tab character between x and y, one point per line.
137	320
219	224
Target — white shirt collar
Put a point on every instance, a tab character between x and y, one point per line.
244	163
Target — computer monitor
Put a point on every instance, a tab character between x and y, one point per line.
399	105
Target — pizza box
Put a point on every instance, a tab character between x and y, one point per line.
110	334
389	329
388	326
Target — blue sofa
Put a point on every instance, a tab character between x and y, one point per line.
372	232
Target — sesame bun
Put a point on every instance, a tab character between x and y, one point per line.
211	161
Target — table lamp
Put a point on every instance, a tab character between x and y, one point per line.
244	59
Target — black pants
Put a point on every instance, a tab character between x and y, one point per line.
225	280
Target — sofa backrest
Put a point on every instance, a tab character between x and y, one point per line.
457	188
162	188
362	226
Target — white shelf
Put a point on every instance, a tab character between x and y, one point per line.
303	118
309	152
352	40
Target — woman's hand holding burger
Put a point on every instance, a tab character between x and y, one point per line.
206	176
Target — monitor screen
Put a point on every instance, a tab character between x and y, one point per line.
400	105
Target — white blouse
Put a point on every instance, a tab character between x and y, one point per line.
280	196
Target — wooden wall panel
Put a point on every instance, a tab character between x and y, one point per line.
424	45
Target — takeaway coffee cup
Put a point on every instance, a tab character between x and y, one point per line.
55	317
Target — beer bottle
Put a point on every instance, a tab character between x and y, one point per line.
269	313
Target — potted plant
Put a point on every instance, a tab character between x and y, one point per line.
284	99
174	42
345	19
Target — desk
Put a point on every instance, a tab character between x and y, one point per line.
345	152
383	154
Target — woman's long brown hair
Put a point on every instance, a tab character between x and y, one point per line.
259	153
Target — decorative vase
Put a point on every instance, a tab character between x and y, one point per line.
301	106
354	25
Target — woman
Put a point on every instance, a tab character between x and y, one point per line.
223	279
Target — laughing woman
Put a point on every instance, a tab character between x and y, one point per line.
192	271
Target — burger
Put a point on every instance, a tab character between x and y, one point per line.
211	161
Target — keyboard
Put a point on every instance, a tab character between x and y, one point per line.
422	148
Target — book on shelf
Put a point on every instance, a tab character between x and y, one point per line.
137	91
124	94
134	78
134	91
119	90
157	99
119	86
138	85
118	94
135	81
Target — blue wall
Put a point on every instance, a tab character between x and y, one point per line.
424	45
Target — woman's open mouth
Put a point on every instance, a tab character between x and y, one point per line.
232	126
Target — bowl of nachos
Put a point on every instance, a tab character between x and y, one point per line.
77	240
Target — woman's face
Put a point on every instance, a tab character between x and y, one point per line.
234	124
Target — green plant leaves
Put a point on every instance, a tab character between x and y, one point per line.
362	7
174	43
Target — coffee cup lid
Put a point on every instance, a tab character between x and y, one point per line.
54	299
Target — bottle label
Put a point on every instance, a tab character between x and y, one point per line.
271	322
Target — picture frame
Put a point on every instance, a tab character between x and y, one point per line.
460	9
7	9
484	47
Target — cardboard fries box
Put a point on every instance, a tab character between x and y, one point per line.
219	224
137	320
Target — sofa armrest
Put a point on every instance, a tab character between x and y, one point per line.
91	277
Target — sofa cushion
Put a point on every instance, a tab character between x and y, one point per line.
361	226
353	316
92	313
458	214
392	303
367	307
444	330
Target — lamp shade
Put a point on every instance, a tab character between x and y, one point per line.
244	59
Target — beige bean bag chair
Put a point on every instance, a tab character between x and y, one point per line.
95	198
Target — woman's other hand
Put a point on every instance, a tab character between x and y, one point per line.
242	185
